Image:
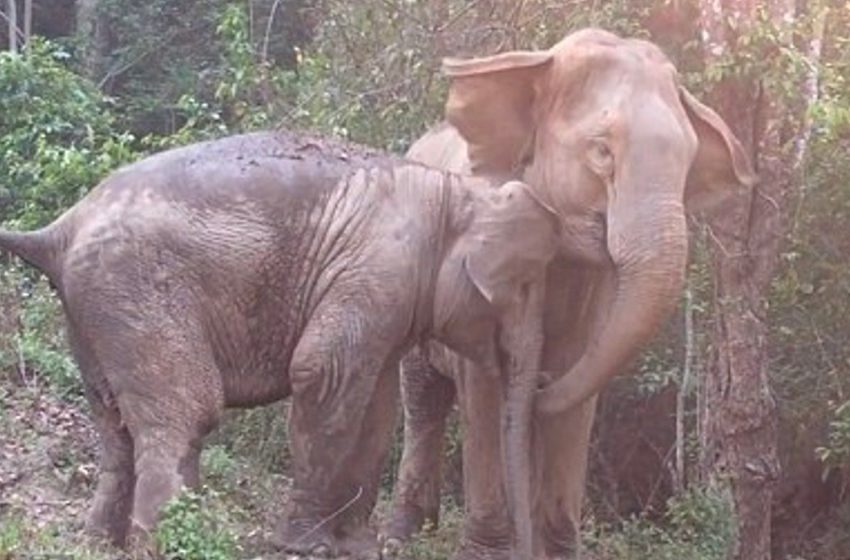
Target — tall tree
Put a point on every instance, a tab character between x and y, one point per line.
93	29
12	19
746	38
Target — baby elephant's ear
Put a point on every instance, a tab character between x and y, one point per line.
513	239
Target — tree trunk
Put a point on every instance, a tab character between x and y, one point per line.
738	411
93	30
27	24
12	17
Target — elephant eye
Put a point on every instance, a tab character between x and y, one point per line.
601	159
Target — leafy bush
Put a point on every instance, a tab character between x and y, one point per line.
38	344
698	525
259	433
20	538
56	136
217	463
836	453
194	527
11	538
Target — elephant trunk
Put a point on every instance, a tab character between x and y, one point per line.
647	240
521	347
516	455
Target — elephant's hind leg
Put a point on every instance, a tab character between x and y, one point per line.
170	397
343	411
427	396
109	515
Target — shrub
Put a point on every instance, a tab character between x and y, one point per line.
194	527
56	136
38	343
698	525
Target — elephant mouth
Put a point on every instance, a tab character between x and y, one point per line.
584	238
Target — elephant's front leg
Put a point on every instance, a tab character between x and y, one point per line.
345	388
576	299
563	442
487	526
427	397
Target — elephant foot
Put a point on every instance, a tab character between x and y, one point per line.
141	544
310	539
406	520
471	550
113	532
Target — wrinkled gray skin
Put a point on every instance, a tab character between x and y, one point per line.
237	272
602	130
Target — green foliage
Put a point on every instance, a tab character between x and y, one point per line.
259	433
202	122
56	136
160	51
44	347
11	538
218	463
247	92
38	344
193	526
372	74
698	525
836	453
242	77
810	299
658	369
832	110
21	539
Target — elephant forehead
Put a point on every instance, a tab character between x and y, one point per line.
602	43
582	61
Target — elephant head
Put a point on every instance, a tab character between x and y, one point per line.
604	132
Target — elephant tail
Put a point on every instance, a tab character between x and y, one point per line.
42	249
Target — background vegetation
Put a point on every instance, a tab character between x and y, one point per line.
103	83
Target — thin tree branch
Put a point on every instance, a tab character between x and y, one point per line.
27	25
14	31
12	25
684	384
269	23
811	87
117	70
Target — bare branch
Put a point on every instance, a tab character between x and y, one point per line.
27	24
11	18
269	23
684	384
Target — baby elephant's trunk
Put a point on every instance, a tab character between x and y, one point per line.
522	337
516	446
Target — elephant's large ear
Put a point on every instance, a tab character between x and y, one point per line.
513	239
721	166
491	104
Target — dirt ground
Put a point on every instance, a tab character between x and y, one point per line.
48	470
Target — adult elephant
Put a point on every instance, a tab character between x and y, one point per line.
602	129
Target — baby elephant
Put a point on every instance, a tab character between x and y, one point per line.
240	271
